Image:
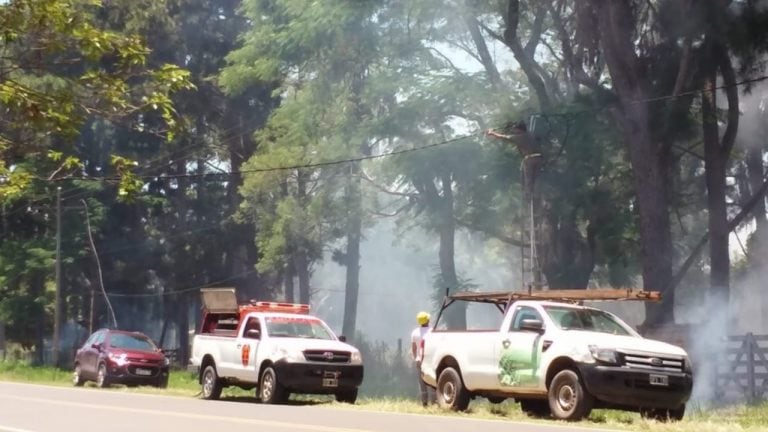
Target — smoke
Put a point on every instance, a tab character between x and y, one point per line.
396	279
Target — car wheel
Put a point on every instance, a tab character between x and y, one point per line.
162	383
568	398
211	383
663	415
102	379
349	396
77	376
270	389
451	393
535	407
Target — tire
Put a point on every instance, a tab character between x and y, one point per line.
496	399
211	384
347	396
662	414
535	407
450	391
102	378
77	376
161	383
568	398
270	389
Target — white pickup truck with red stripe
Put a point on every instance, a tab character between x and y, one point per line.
276	348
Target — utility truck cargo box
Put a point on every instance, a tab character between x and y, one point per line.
556	357
275	348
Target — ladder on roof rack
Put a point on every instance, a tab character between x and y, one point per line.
568	295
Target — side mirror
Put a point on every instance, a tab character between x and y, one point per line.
253	334
532	325
343	338
96	346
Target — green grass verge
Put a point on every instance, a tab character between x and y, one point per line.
184	384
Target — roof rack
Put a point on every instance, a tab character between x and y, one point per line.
566	295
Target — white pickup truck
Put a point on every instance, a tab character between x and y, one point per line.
277	348
556	358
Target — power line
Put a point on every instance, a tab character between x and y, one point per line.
183	290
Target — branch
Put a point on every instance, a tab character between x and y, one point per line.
365	177
482	51
447	60
490	232
732	93
536	30
735	222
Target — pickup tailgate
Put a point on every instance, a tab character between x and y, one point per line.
476	353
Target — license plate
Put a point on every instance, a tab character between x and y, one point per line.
330	382
143	372
659	380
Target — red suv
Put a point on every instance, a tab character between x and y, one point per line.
120	357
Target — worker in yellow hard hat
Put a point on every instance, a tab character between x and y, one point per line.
422	318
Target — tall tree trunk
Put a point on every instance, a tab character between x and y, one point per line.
456	316
649	159
715	170
182	324
482	50
37	288
755	171
289	273
2	340
352	256
302	270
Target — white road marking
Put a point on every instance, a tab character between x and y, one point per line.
285	425
11	429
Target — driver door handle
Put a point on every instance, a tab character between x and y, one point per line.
239	346
505	343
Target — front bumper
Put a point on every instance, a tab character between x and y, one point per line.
629	387
137	373
312	377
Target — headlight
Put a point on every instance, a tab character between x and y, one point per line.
356	358
290	355
119	359
604	355
166	362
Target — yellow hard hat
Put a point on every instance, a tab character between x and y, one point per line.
422	318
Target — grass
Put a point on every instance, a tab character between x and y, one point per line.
184	384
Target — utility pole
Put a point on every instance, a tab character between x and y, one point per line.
57	303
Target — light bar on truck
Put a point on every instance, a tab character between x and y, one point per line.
266	306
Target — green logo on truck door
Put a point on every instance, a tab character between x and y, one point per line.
519	365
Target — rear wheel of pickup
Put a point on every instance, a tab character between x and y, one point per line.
450	390
211	383
568	398
270	389
662	414
347	396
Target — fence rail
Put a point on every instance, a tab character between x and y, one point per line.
744	368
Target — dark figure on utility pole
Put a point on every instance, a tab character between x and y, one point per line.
526	145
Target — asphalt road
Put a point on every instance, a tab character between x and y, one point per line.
37	408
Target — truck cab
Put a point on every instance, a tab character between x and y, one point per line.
276	348
557	358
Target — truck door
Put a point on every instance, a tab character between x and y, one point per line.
245	369
519	351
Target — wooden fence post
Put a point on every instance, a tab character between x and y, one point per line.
750	341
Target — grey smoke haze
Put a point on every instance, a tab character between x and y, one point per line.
396	279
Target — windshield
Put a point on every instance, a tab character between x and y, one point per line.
594	320
299	327
131	342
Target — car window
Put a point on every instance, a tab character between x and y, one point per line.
523	313
98	337
131	341
299	327
585	319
